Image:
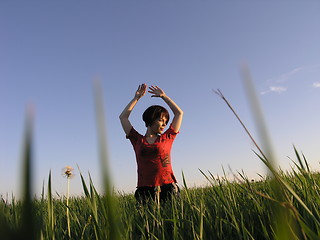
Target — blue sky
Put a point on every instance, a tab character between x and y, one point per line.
51	52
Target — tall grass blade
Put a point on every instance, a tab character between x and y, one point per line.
258	117
306	163
42	192
299	159
113	231
219	93
28	229
186	188
89	200
284	225
51	218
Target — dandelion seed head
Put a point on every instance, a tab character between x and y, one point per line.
67	171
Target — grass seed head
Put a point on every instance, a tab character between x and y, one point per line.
67	171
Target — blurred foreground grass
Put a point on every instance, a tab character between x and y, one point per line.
222	210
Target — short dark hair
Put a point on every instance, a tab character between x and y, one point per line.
153	113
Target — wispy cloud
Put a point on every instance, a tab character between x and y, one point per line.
277	89
316	84
286	77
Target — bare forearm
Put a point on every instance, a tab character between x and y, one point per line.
173	106
128	109
124	116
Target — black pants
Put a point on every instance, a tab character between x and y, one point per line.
146	194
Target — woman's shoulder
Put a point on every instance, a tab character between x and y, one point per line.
133	133
169	133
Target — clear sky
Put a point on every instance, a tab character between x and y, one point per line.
51	51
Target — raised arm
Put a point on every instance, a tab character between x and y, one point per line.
178	113
124	116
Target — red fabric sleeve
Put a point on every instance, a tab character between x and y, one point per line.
133	136
170	133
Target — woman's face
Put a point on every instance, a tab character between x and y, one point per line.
159	125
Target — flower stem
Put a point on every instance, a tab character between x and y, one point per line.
68	217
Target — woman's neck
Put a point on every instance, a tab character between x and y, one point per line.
150	133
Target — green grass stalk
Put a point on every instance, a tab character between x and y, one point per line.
28	228
113	224
50	209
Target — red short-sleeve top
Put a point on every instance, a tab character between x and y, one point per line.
153	160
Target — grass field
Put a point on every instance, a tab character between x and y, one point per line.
243	209
282	205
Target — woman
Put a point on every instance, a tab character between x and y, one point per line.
155	176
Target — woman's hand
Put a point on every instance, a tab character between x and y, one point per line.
141	91
156	91
178	113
